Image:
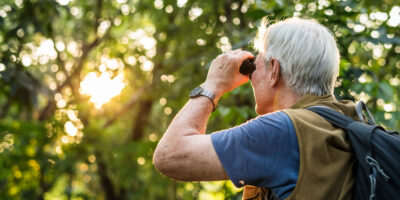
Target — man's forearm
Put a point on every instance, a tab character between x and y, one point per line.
191	119
174	155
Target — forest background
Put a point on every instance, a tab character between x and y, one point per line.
87	88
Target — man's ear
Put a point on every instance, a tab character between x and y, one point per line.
275	70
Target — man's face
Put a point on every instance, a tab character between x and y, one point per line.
261	85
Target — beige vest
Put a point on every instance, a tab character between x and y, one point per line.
326	158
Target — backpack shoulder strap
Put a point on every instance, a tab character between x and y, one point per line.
332	116
360	107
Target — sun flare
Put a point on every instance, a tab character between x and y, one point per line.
101	89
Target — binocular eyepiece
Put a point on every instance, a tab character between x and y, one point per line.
248	66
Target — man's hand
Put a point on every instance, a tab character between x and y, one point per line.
223	75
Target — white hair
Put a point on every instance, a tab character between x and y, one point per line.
306	51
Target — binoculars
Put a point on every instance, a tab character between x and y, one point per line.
248	66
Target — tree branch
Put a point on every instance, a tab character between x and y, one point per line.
86	49
134	99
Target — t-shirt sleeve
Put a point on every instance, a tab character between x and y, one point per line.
261	152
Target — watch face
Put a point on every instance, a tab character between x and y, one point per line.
195	92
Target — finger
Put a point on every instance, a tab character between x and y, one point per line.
243	55
235	52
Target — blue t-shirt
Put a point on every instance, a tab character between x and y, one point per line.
262	152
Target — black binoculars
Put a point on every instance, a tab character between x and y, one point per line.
248	66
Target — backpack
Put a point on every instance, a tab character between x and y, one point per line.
377	174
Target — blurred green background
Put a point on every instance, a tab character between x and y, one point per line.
87	88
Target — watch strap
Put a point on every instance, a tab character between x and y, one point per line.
210	95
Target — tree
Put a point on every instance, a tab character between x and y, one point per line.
88	87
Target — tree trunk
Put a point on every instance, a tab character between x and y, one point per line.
105	181
141	119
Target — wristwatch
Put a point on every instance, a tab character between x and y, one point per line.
199	91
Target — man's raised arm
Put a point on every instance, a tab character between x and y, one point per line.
184	152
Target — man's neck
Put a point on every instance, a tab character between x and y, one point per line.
278	98
283	99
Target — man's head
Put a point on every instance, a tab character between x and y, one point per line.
306	51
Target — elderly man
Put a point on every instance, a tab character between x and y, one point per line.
290	152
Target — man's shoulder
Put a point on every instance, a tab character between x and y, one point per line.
277	114
277	117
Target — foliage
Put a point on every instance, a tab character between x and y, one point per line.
55	143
